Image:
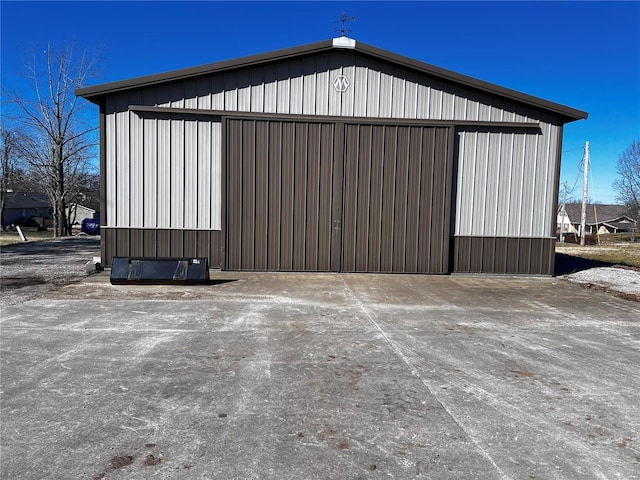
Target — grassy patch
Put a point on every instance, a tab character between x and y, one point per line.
627	254
11	237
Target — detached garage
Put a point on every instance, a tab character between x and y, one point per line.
335	156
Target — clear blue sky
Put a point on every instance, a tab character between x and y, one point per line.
582	54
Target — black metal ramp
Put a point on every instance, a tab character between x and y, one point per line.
149	270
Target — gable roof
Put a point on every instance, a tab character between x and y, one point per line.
606	213
26	200
96	92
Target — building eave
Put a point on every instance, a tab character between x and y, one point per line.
95	93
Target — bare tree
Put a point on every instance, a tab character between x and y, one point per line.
7	165
627	186
58	141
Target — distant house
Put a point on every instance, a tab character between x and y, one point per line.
26	208
599	219
76	213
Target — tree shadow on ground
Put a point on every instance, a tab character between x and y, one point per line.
566	264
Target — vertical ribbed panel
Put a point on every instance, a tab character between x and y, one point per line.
163	215
304	86
280	190
162	172
396	199
124	242
503	183
176	174
526	256
284	181
150	166
165	173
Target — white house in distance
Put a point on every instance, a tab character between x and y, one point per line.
600	219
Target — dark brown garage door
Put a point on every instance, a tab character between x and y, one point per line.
307	196
397	199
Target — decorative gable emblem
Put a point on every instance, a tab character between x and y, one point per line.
341	83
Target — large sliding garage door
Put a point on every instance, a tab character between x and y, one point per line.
397	199
281	193
311	196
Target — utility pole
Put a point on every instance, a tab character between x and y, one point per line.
585	194
564	213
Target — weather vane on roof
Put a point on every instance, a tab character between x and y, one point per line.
343	19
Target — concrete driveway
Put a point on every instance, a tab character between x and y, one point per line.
322	376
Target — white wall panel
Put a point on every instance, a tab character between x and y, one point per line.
191	192
496	191
203	175
123	187
164	179
505	164
244	91
215	199
517	179
176	174
150	167
410	100
136	169
360	91
373	94
334	97
398	85
424	94
110	215
503	184
479	182
282	95
347	98
386	95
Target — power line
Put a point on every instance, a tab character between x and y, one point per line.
573	149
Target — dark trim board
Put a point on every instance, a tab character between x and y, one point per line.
132	242
217	115
503	255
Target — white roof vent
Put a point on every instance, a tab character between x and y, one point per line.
344	42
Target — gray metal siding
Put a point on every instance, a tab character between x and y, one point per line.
165	172
304	86
513	173
526	256
131	242
504	183
161	171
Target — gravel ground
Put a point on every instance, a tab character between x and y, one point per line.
619	281
31	270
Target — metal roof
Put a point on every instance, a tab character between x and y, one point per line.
96	92
26	200
605	213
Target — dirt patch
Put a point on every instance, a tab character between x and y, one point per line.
150	460
120	461
19	282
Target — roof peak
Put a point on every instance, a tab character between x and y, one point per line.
344	42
